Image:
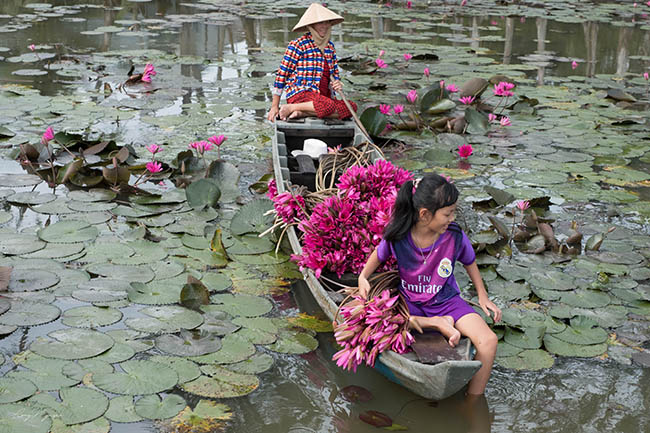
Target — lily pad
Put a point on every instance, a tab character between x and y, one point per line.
188	343
186	369
152	407
219	382
139	377
165	319
122	409
29	314
138	273
528	360
563	348
207	416
294	342
91	317
531	338
227	177
583	331
20	418
28	280
72	343
19	243
79	369
233	350
78	404
241	305
251	217
69	231
258	363
15	389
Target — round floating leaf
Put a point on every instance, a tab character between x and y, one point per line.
219	382
203	193
354	393
250	244
294	342
15	389
78	404
216	281
186	369
505	350
583	330
99	296
94	194
522	318
154	293
31	198
188	343
226	176
68	231
45	374
55	251
586	298
509	290
553	326
165	319
91	317
72	343
531	338
20	418
258	363
256	336
611	316
560	347
241	305
29	314
134	339
82	206
56	207
144	252
16	179
233	349
217	322
122	409
139	377
251	217
165	269
27	280
207	416
120	352
19	243
77	370
551	280
152	407
139	273
528	360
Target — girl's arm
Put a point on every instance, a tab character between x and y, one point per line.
483	300
371	265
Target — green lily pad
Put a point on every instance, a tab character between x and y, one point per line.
217	322
258	363
207	414
261	259
15	389
69	231
72	343
186	369
251	217
122	409
528	360
294	342
586	298
250	244
19	243
136	340
79	369
78	404
373	120
240	305
505	350
219	382
55	251
14	180
28	280
91	317
509	290
216	281
563	348
203	193
583	331
92	195
188	343
611	316
31	198
227	177
20	418
551	279
120	352
154	293
233	349
29	314
152	407
165	319
139	377
46	374
138	273
531	338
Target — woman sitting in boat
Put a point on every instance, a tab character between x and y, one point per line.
308	69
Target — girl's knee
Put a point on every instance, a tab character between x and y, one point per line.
487	341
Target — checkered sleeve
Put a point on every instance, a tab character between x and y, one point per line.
287	67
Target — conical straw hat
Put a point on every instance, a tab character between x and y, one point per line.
316	13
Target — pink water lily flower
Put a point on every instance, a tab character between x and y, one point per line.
463	3
32	47
154	148
574	64
408	56
149	72
217	140
381	53
412	96
645	74
409	4
154	167
504	88
398	108
465	150
47	135
467	100
505	121
523	205
427	72
201	146
452	88
492	117
380	63
384	109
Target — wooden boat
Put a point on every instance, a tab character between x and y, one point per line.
433	381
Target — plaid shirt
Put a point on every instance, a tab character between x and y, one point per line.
302	67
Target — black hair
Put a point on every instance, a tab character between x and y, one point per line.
433	192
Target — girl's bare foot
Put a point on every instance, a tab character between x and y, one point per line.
297	114
286	111
446	328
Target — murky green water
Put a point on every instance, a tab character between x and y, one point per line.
214	61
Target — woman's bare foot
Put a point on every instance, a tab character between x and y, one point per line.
297	114
286	111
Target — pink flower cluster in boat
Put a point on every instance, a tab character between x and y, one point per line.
344	229
289	207
368	329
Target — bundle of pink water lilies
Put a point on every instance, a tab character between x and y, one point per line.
369	328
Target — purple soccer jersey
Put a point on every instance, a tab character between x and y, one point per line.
427	273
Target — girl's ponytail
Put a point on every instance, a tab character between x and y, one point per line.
404	215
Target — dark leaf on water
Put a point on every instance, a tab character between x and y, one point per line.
377	419
374	121
194	294
500	196
355	393
478	122
261	186
500	227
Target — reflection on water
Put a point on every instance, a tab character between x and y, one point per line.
302	394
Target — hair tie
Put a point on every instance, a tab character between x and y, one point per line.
416	182
448	179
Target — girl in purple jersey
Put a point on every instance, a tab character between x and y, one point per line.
427	243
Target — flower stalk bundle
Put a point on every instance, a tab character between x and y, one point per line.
372	326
